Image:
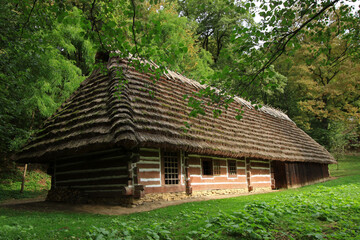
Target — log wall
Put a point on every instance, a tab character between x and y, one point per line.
198	181
100	175
260	174
150	172
117	174
300	173
251	174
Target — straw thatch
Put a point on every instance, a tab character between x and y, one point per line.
96	119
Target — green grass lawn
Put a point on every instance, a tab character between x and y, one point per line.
347	165
329	210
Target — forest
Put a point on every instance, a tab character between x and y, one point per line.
298	56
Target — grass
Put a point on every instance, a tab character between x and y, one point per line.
348	165
329	210
37	183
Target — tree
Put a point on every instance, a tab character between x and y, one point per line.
48	47
324	90
216	21
170	40
286	23
43	60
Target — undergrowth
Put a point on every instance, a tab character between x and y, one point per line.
37	183
322	213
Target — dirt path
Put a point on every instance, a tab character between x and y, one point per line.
40	205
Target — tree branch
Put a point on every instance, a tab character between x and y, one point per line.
92	18
333	75
281	46
133	26
28	19
93	24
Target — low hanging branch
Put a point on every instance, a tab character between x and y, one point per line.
283	42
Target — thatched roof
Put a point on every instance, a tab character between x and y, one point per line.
96	119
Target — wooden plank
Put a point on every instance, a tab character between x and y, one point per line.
262	185
152	158
260	171
149	150
194	161
194	171
142	170
258	164
215	179
150	183
150	165
260	178
99	186
240	164
149	154
94	181
110	151
91	175
95	163
149	162
91	170
149	174
101	189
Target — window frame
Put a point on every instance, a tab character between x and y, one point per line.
234	175
163	179
215	173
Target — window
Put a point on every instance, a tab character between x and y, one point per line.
216	167
171	167
207	167
232	168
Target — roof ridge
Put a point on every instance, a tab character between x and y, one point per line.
125	124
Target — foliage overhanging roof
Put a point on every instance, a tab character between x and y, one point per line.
95	119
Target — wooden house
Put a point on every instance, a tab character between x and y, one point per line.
120	144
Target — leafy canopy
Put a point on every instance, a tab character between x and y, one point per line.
48	48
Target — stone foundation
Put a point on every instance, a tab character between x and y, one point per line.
76	196
204	193
153	197
260	190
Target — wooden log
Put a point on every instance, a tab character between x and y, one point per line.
23	179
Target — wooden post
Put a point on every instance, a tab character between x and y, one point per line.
248	174
288	175
23	179
188	187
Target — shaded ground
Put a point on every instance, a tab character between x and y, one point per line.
40	205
